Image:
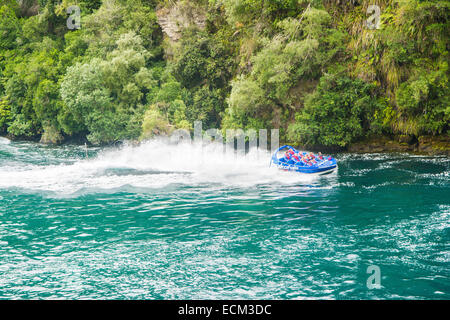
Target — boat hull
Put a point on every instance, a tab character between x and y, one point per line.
317	171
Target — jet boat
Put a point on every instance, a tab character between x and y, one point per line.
303	162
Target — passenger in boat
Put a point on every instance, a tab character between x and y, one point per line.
302	159
287	155
320	156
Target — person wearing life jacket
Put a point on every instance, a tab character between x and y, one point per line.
320	156
287	155
302	159
295	157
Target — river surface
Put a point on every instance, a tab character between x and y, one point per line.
181	222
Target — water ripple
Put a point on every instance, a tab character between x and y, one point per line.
122	226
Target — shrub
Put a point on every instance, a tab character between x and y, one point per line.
154	124
339	112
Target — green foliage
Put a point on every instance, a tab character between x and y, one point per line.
51	134
309	68
46	101
299	53
82	90
5	114
9	27
202	60
408	59
201	69
154	124
103	96
21	127
426	98
251	11
337	113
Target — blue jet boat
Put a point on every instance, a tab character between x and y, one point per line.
318	166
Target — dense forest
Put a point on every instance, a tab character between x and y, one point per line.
325	72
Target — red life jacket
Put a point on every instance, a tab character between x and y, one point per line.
295	157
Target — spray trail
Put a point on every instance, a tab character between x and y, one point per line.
153	164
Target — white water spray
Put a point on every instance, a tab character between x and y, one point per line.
153	164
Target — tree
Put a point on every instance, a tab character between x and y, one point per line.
103	96
5	114
83	92
9	26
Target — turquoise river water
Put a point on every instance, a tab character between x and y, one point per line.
180	222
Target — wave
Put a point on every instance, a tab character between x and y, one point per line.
3	140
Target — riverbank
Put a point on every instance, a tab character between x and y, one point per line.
424	145
428	145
